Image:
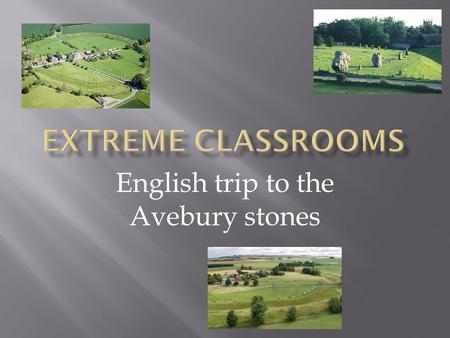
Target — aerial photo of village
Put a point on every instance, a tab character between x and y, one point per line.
275	287
88	65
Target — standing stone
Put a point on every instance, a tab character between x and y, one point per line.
400	56
377	60
341	62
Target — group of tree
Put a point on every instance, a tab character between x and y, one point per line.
138	81
258	309
214	278
370	31
243	267
311	271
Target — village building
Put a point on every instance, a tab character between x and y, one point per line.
77	55
101	100
424	40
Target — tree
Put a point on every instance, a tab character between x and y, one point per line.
258	310
228	282
292	314
141	41
318	40
25	90
335	305
255	282
246	282
138	81
236	283
329	41
232	319
378	37
428	27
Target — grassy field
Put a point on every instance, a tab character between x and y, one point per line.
321	87
309	294
434	53
28	29
70	77
142	100
44	97
50	45
414	66
132	31
124	68
95	41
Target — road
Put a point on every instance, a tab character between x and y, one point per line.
129	97
404	83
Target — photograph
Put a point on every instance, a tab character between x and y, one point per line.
377	51
85	65
275	288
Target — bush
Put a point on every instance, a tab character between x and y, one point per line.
246	282
236	283
255	282
258	310
291	314
25	90
329	41
232	319
228	282
335	305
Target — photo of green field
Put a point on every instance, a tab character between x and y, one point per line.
85	66
275	288
377	51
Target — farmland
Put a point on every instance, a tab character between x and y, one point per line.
309	294
87	65
45	97
131	31
123	68
49	45
73	78
35	28
95	41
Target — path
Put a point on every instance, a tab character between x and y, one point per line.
117	103
404	83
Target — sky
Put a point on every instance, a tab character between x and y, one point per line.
215	252
412	17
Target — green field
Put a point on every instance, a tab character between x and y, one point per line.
124	68
413	66
309	294
28	29
70	77
328	87
50	45
95	41
434	53
142	100
44	97
130	30
115	58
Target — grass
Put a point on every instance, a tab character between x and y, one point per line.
71	78
95	41
434	53
330	321
28	29
328	87
124	68
50	45
309	294
141	100
130	30
414	66
44	97
28	80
